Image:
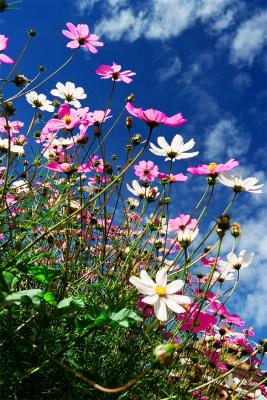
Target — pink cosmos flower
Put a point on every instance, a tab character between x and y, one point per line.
182	222
68	119
146	170
172	178
80	37
114	72
13	126
210	262
98	117
95	164
154	117
3	45
213	168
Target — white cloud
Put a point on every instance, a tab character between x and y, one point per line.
249	40
253	281
157	19
85	6
172	69
226	139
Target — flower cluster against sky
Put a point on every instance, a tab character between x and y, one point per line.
202	58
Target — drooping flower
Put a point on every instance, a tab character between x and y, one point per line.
222	276
235	263
39	101
3	45
143	192
213	168
240	185
170	178
147	171
80	37
154	117
69	93
220	309
114	72
181	223
160	294
176	151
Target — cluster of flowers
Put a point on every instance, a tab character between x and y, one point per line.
190	308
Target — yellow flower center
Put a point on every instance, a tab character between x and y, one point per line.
67	119
212	166
160	290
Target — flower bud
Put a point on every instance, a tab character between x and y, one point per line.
32	32
8	109
20	81
56	103
128	147
223	224
130	98
129	122
236	230
163	353
41	68
136	139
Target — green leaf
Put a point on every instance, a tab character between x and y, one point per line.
42	273
50	298
71	302
30	297
7	281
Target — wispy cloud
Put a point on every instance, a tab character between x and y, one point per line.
132	20
227	139
173	68
249	40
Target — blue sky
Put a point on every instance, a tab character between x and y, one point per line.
204	58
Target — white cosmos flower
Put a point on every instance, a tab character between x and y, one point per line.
235	263
222	276
143	192
39	101
234	383
69	93
240	185
176	151
13	148
159	294
20	186
187	236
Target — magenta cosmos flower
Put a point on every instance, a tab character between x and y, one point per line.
3	45
114	72
154	117
146	171
213	168
197	321
80	37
